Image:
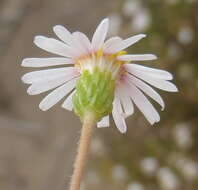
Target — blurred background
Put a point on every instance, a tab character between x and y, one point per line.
37	148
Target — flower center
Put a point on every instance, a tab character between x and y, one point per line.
96	87
102	61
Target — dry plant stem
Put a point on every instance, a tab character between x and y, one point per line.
83	149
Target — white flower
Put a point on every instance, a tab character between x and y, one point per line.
79	54
182	135
185	35
141	20
149	166
168	180
135	186
131	7
185	165
188	168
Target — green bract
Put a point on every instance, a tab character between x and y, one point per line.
94	93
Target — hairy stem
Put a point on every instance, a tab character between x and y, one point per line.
83	149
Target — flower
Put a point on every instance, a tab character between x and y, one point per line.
167	179
135	186
149	166
100	76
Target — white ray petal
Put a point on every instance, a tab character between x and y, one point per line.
158	83
63	34
126	43
69	39
104	122
53	46
80	42
46	62
146	89
143	104
40	87
68	103
118	115
136	57
111	42
156	73
56	95
84	40
125	101
47	74
100	34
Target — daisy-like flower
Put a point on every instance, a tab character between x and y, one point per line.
97	76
